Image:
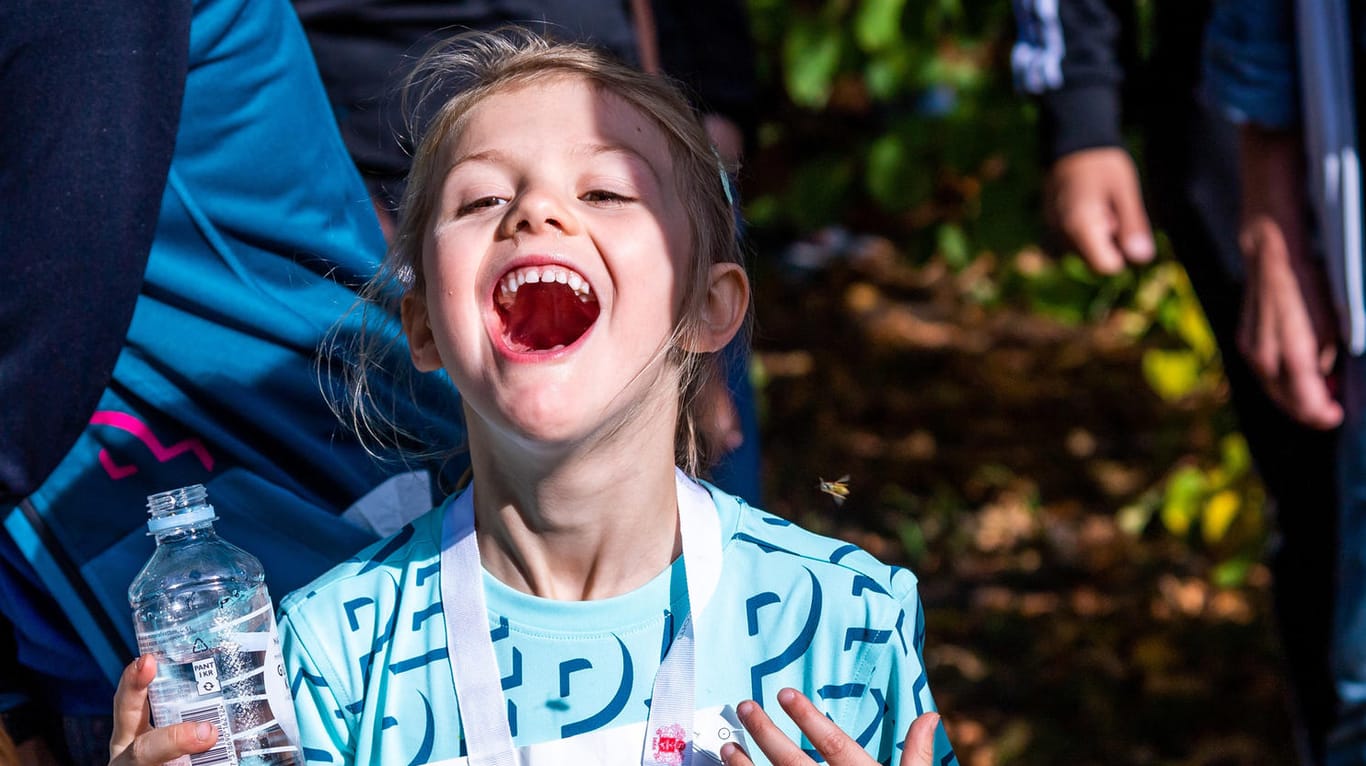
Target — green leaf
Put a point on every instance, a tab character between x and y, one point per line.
889	168
811	58
1053	294
877	25
1181	504
952	245
1234	456
1075	268
887	73
912	540
819	192
1232	573
762	210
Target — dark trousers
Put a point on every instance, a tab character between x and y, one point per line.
1192	172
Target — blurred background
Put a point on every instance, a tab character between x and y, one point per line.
1051	451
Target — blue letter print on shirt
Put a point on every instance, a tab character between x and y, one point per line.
353	607
614	706
424	752
795	650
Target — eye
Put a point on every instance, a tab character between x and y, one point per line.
605	197
479	204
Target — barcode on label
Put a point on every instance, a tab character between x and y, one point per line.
221	754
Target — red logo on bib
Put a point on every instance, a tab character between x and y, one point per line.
668	744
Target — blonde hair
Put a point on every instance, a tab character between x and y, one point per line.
446	85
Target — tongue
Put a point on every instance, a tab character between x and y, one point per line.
547	315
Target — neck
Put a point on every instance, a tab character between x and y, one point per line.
579	529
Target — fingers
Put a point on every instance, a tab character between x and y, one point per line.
1285	331
825	735
767	736
1300	384
1265	254
157	746
132	712
1091	228
734	755
134	741
1135	233
919	748
1306	392
834	745
1097	202
1292	366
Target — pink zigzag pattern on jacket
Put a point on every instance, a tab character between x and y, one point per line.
125	422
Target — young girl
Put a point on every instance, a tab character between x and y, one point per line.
567	256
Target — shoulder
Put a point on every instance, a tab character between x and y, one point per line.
408	558
780	547
347	634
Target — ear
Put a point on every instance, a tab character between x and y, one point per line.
724	310
417	326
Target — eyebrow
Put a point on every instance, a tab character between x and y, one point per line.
495	157
491	156
597	150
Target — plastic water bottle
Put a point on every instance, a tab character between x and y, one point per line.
200	606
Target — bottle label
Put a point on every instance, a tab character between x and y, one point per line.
227	670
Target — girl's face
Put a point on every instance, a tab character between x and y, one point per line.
553	264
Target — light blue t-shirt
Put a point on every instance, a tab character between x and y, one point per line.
366	653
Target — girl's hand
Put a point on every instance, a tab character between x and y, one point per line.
135	742
838	748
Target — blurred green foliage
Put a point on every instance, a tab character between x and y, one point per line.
898	116
900	119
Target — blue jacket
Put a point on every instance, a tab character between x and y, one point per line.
260	237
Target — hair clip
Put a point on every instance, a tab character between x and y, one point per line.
726	185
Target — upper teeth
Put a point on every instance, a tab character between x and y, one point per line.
534	274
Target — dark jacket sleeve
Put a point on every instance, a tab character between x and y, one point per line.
1072	55
92	95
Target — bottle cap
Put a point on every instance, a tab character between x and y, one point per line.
178	508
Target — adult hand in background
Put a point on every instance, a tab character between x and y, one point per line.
728	139
834	745
134	741
1093	197
1287	330
722	428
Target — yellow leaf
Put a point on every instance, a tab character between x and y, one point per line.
1193	328
1219	513
1172	374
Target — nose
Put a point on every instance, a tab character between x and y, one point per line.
538	211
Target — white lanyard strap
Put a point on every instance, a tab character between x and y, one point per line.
488	740
669	731
474	666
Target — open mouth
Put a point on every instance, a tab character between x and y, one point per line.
544	308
